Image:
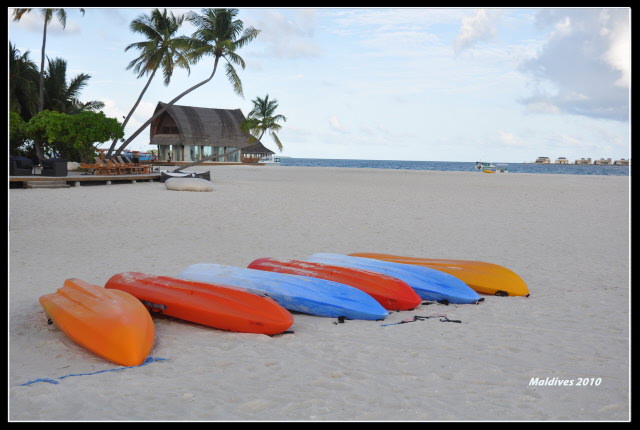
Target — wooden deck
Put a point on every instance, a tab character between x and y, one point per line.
76	179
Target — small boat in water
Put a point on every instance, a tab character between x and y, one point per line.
165	174
491	168
485	167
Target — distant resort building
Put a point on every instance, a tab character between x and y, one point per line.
603	162
187	133
583	161
586	161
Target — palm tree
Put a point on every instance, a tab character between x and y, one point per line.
48	14
62	96
160	50
261	119
23	91
220	35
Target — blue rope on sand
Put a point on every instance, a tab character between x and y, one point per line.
147	360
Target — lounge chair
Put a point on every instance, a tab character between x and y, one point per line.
90	168
103	168
144	168
119	168
133	168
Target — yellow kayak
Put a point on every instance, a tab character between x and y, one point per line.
486	278
110	323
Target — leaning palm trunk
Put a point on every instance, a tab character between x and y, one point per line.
42	57
209	158
167	106
135	106
215	156
39	147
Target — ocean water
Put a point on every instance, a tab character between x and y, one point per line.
463	166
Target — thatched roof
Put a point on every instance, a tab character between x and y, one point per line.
204	126
257	148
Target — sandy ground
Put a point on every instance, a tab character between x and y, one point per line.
567	236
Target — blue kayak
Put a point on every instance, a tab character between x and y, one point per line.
429	284
296	293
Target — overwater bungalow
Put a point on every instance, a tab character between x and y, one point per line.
562	160
188	133
621	162
543	160
603	162
583	161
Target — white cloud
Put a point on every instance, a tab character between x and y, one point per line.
475	28
586	59
541	106
509	139
618	55
34	21
286	36
563	28
336	125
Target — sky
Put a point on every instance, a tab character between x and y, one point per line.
432	84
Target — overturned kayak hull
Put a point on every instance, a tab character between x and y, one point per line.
391	293
112	324
164	175
486	278
429	284
219	306
295	293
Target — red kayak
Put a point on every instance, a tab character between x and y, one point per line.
391	293
219	306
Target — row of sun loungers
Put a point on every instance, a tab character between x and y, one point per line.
119	166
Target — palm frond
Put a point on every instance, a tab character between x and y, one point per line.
277	141
233	77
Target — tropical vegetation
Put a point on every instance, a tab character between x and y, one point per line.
47	14
161	50
218	34
263	119
71	137
65	125
47	115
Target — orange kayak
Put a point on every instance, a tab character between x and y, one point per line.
391	293
112	324
486	278
220	306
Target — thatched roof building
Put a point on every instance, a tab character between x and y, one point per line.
187	133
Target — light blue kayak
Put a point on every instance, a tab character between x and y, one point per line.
296	293
429	284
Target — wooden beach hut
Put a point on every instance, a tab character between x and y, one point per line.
188	133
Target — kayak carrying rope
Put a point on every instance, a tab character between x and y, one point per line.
443	318
147	360
154	307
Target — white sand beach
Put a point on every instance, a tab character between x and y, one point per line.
567	236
